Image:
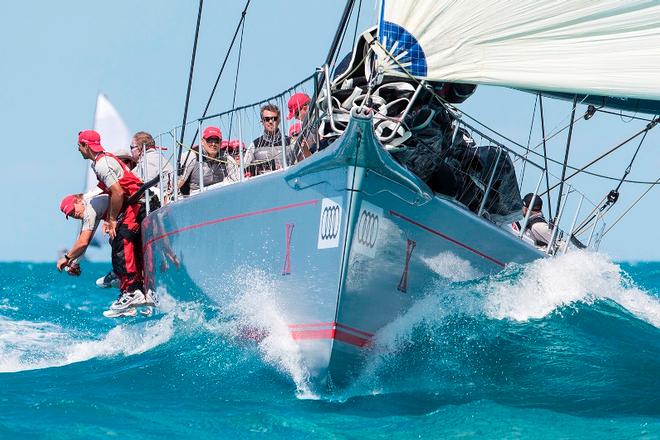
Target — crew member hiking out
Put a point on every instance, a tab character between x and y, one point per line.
122	221
89	211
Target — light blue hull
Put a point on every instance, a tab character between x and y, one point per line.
325	253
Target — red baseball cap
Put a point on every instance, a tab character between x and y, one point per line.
92	139
68	205
235	143
295	129
212	131
296	102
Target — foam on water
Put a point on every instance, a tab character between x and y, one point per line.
546	285
258	311
27	345
519	294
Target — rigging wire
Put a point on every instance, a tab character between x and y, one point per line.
545	153
190	77
338	40
217	80
357	22
629	167
631	117
238	67
224	62
613	196
616	147
631	206
563	169
529	140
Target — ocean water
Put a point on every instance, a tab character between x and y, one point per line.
563	348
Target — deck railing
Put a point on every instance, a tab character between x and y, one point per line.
481	189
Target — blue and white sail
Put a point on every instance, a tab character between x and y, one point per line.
604	48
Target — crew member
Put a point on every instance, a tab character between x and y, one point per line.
537	227
122	219
90	212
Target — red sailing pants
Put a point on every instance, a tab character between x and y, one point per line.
127	249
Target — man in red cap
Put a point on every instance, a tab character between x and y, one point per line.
217	166
122	221
298	106
90	211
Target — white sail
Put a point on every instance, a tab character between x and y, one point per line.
115	136
604	47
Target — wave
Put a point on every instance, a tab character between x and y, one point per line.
539	288
453	337
522	293
29	345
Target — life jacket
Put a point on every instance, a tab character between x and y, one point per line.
129	182
531	222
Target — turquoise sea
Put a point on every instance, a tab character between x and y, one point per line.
564	348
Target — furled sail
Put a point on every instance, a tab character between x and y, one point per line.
604	48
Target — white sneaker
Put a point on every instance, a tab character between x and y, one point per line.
107	281
150	298
129	299
120	313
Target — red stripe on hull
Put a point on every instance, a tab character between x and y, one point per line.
337	335
230	218
448	238
309	332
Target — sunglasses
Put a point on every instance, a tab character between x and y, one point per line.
213	140
135	147
270	118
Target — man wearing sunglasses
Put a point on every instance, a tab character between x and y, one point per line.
217	166
264	153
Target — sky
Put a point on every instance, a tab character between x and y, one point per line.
57	56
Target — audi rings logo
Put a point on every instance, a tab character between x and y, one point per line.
367	230
330	222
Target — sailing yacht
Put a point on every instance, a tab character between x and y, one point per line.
408	190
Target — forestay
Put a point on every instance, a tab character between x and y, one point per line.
605	48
